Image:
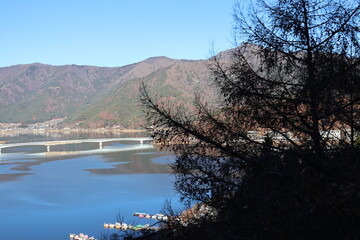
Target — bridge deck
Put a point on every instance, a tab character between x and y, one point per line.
63	142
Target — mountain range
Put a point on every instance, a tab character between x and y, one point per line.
92	97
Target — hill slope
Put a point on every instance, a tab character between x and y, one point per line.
94	96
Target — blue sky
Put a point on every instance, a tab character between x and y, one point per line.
111	32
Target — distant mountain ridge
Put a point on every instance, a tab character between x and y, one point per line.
90	96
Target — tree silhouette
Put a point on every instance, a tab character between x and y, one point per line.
287	111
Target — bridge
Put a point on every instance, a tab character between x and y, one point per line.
48	144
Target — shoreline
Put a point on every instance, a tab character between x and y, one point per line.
71	130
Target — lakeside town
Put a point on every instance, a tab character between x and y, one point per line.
54	125
258	135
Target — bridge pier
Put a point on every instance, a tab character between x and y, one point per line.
47	144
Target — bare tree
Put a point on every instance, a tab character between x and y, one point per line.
295	79
288	106
308	67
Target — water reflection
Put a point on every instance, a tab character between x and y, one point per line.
126	159
11	176
78	187
136	164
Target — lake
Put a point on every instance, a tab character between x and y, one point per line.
75	189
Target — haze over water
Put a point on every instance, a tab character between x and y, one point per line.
48	196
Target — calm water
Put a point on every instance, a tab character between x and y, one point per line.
74	189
